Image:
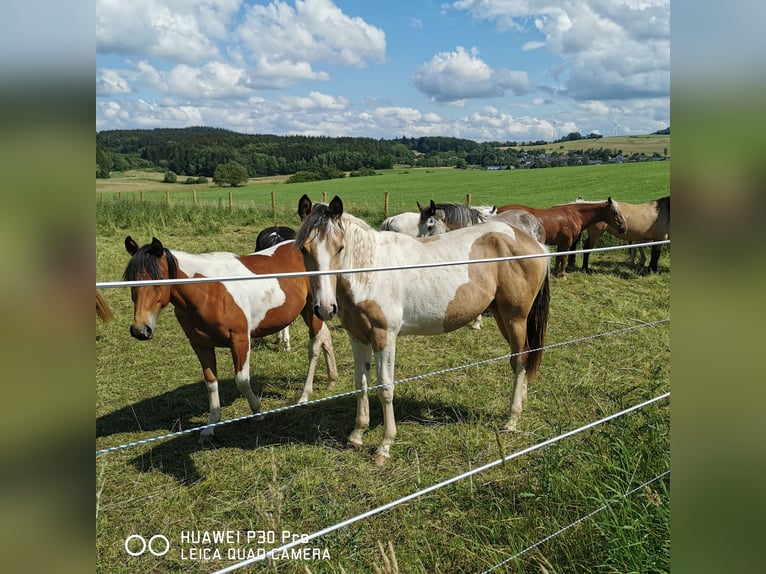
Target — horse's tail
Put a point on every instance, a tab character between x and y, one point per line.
103	310
537	324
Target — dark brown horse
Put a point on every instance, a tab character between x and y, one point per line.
564	223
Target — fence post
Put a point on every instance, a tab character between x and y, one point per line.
119	195
231	203
141	195
468	198
385	204
324	197
273	204
101	194
194	195
167	197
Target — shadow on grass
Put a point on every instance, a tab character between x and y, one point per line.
326	423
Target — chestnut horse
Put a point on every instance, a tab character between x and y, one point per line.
649	221
269	237
375	309
226	314
564	223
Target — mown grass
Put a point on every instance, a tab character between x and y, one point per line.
292	471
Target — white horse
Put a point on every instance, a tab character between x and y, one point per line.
408	221
375	310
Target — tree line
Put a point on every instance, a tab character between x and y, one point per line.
230	158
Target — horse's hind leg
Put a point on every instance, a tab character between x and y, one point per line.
206	356
283	339
656	250
514	329
240	352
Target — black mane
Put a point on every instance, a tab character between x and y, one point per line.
146	261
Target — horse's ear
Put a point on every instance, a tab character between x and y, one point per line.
336	207
304	207
130	245
156	247
609	200
420	207
433	206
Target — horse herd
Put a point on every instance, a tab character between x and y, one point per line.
374	309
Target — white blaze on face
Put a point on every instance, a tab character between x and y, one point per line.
325	290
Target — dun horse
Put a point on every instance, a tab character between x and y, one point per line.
649	221
226	314
564	223
375	310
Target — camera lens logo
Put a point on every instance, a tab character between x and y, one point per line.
136	545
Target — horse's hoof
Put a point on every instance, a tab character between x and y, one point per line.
381	458
510	426
353	445
205	438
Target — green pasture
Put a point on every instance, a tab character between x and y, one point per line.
292	471
537	188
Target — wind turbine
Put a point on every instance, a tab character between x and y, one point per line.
614	129
555	129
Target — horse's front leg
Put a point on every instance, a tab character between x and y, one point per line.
384	364
206	356
362	354
240	354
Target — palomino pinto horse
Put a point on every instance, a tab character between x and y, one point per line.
375	310
564	223
226	314
438	218
649	221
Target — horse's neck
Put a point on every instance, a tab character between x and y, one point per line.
591	213
361	243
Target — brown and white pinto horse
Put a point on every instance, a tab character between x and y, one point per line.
649	221
564	223
375	309
226	314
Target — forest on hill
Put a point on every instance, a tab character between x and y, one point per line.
199	151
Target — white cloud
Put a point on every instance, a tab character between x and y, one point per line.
315	31
611	48
173	29
458	75
317	101
111	83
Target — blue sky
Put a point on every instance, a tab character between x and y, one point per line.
478	69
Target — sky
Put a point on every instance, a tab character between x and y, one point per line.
486	70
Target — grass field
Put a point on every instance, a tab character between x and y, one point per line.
292	472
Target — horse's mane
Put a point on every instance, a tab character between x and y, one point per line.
145	260
360	237
460	215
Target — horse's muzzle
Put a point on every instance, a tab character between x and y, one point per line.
325	312
144	333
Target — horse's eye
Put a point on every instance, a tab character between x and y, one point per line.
340	248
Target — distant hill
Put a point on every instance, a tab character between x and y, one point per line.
628	145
